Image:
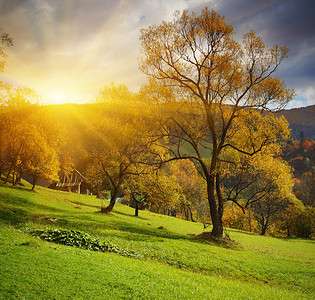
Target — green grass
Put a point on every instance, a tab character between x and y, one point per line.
174	263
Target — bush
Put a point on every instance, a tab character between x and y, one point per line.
235	218
82	240
297	221
303	222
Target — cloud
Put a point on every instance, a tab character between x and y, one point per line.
79	46
283	22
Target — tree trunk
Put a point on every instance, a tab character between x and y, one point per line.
8	175
136	208
263	229
249	220
13	177
191	214
217	230
288	229
111	205
34	182
220	199
18	180
186	213
264	225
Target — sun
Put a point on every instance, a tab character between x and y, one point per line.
57	98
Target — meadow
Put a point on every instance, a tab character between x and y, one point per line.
172	262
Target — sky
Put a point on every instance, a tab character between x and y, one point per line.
67	50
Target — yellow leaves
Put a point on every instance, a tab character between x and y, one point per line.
276	174
253	132
26	144
271	92
6	40
154	93
120	137
114	94
188	49
18	97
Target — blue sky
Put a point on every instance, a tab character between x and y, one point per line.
68	49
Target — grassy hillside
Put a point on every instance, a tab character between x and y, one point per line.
172	263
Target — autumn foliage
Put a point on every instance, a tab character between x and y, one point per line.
199	140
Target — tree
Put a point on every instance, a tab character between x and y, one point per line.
251	131
29	138
42	161
137	196
275	186
114	94
193	190
305	188
156	189
7	41
163	190
298	221
120	145
199	58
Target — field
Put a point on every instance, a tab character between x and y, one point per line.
172	262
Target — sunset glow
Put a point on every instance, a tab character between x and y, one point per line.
58	99
77	47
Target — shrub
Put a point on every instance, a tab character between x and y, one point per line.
82	240
303	222
297	221
235	218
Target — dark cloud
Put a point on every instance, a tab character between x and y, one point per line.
285	22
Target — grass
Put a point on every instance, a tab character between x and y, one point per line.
174	263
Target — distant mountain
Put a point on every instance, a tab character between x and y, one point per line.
302	121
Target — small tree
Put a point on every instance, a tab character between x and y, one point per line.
300	221
120	145
5	40
275	185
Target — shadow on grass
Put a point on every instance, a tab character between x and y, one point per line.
296	239
84	204
14	217
16	187
15	210
131	215
137	233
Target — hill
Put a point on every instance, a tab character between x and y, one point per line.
171	263
71	115
301	120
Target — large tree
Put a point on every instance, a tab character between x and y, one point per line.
198	56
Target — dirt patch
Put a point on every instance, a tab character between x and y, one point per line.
48	219
225	241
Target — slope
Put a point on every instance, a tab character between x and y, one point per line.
173	264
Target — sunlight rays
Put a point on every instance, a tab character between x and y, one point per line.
63	54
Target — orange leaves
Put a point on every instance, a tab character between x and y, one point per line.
188	49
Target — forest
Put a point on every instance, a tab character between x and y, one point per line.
199	141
